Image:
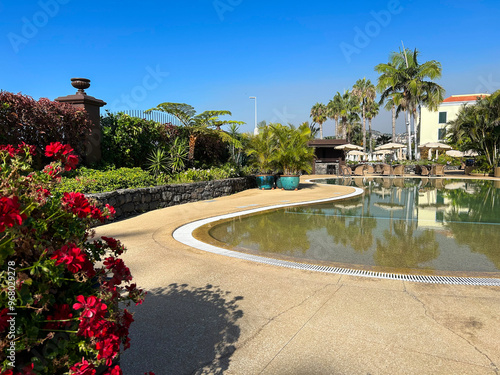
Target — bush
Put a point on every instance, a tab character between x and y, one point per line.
127	141
195	175
96	181
67	289
41	122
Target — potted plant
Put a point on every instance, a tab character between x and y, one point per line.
260	150
292	155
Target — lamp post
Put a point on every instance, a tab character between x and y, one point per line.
255	130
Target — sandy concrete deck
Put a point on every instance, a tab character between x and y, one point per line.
210	314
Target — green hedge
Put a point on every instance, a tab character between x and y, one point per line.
86	180
96	181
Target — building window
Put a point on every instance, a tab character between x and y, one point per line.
442	117
441	133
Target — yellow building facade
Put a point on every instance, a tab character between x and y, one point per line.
433	124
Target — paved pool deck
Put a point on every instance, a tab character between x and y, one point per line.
211	314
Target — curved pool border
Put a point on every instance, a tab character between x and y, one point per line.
184	234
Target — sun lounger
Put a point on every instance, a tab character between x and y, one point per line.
345	170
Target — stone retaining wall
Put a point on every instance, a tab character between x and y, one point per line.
130	202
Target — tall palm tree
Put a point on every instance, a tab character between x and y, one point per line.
197	125
386	86
371	111
318	115
333	111
365	91
404	76
349	108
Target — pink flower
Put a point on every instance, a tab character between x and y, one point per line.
9	213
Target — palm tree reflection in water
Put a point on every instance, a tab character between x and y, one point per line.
417	224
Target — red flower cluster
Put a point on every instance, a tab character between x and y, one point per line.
22	148
78	204
74	259
62	153
82	368
4	319
27	370
107	334
114	245
120	271
9	213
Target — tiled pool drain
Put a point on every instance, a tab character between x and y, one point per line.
184	234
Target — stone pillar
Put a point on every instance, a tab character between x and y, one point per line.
92	106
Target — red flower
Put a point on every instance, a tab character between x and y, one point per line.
9	213
29	148
74	258
77	204
120	271
114	371
10	149
82	368
108	348
62	153
53	171
4	319
112	243
92	307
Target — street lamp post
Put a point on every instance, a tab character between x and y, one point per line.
255	130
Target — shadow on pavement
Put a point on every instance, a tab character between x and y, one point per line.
183	330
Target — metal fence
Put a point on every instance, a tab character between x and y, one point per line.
157	116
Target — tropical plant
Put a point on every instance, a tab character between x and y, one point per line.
260	150
197	124
319	116
64	292
334	109
349	108
365	91
478	127
292	153
405	80
127	140
157	162
178	154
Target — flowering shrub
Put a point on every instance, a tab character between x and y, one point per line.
63	314
40	122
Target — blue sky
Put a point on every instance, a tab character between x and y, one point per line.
214	54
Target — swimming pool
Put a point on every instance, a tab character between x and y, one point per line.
402	225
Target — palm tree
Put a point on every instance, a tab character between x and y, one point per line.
349	108
333	111
365	91
386	86
371	111
404	79
197	125
318	115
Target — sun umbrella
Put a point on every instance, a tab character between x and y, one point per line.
435	146
470	153
392	146
348	147
356	153
455	153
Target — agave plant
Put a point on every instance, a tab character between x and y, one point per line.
178	154
157	162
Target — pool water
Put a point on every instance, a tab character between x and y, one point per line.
399	224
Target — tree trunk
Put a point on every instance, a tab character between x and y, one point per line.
408	129
370	134
192	143
364	129
393	123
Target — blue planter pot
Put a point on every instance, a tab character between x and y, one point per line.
278	181
265	181
290	182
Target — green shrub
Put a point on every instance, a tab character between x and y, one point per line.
95	181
